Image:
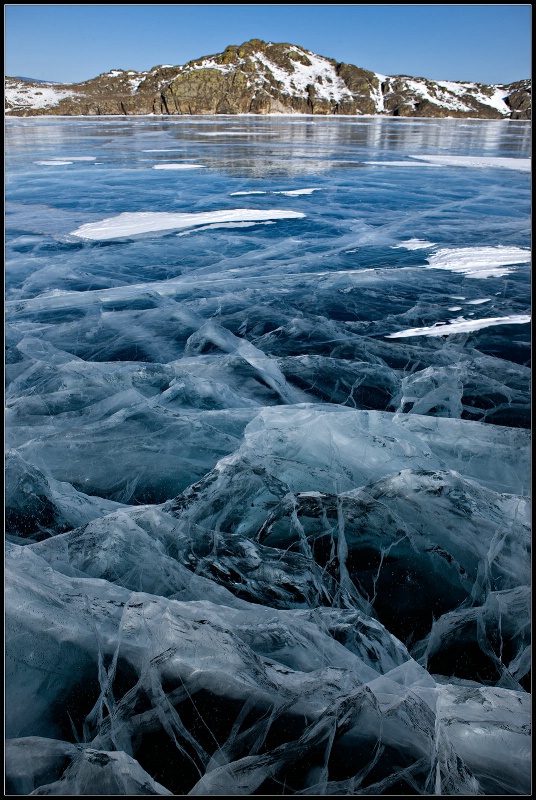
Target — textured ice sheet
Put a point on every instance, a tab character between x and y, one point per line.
258	540
226	655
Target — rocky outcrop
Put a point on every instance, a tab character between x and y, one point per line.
519	100
266	78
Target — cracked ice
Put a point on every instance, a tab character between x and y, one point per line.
268	524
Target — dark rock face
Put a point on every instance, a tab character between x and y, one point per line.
520	99
266	78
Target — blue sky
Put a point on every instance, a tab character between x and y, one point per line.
68	43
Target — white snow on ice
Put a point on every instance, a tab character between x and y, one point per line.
237	133
479	262
297	192
414	244
460	325
225	225
522	164
288	193
53	163
401	163
133	223
178	166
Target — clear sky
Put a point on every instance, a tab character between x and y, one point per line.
486	43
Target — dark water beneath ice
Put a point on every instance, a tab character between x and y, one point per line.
267	455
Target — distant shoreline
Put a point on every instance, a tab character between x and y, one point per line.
9	115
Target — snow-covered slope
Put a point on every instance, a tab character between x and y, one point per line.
22	93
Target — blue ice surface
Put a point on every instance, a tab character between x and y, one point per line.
217	422
353	222
339	268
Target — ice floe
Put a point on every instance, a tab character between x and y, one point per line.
461	325
220	225
136	222
522	164
479	262
415	244
287	192
178	166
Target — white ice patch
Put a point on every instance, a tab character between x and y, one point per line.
400	163
522	164
237	133
414	244
178	166
478	302
297	192
61	162
460	325
455	308
288	193
136	222
479	262
225	225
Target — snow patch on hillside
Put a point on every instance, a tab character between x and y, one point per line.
41	96
209	63
320	74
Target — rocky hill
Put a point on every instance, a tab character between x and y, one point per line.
265	78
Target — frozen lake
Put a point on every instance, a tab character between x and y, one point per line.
267	455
